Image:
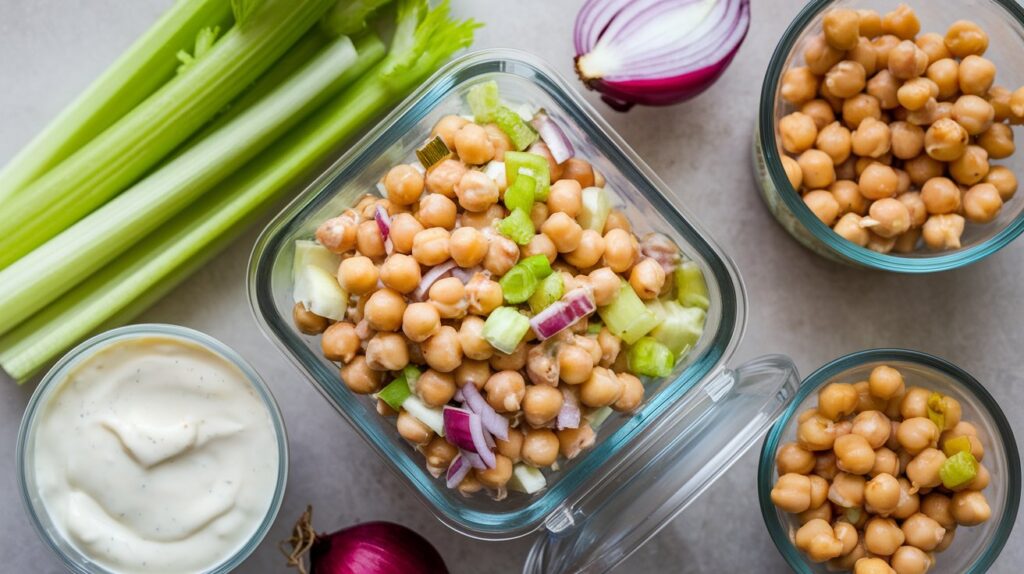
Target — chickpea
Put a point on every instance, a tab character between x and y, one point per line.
998	141
946	75
580	170
873	426
500	140
476	191
914	94
816	433
484	219
868	565
878	181
602	389
403	184
575	364
946	140
943	231
982	203
554	168
976	75
882	536
907	61
449	296
541	404
880	244
882	494
1016	106
836	400
865	55
511	448
799	85
470	484
843	428
901	22
980	481
632	394
798	132
434	388
818	169
911	560
369	241
538	214
847	490
589	251
442	350
907	140
883	45
793	458
793	172
572	442
404	227
563	231
617	220
974	113
854	454
825	465
648	277
933	45
359	377
917	434
910	501
923	470
307	321
387	352
970	508
513	361
820	56
471	371
848	197
1003	180
937	507
338	234
847	534
820	111
606	284
841	27
923	532
861	106
540	244
483	295
473	144
565	196
442	177
420	321
916	207
468	246
439	453
412	430
849	228
431	246
965	38
818	541
471	339
871	139
437	210
400	273
540	447
819	491
999	98
922	168
834	101
502	254
358	275
505	390
888	218
971	167
834	140
940	195
498	476
384	310
446	128
846	79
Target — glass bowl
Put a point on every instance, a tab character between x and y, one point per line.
974	549
1004	22
71	556
600	506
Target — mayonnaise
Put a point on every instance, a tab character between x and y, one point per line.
156	455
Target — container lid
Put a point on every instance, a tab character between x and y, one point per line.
684	453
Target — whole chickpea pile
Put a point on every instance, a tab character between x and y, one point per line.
448	214
863	477
894	132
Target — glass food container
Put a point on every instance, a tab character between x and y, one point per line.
975	548
1003	20
74	559
646	467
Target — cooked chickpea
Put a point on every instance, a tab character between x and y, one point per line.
447	126
878	181
818	541
502	254
617	220
970	508
976	75
974	113
580	170
420	321
384	310
358	275
404	227
449	296
483	295
901	22
847	490
606	284
999	97
818	169
883	45
589	251
998	141
513	447
498	476
923	470
911	560
513	361
442	350
369	241
915	93
540	447
871	139
565	196
411	429
403	184
472	372
873	426
442	177
849	228
437	210
541	404
907	61
793	458
792	493
359	377
338	234
307	321
439	453
563	231
946	75
473	144
539	214
505	390
816	433
575	364
601	389
861	106
484	219
882	536
820	56
476	191
846	79
554	168
936	506
917	434
915	206
648	277
847	195
922	531
431	246
888	218
884	88
933	45
632	393
799	85
434	388
982	203
882	493
499	140
922	168
943	231
835	140
467	246
340	342
1003	180
470	484
798	132
965	38
841	27
820	111
910	501
854	454
572	442
387	352
1017	106
940	195
472	341
400	272
914	403
971	167
540	244
946	140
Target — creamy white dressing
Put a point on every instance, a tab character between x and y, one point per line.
156	455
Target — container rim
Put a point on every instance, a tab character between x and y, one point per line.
792	201
815	380
55	375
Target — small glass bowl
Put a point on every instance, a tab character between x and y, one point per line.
1003	20
69	554
974	549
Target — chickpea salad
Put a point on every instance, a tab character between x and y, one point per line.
881	476
892	134
491	299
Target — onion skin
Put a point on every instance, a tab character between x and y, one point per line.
375	548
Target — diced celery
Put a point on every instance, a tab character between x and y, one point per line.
956	444
958	470
526	478
594	327
524	163
649	357
518	284
520	132
627	317
484	101
936	410
538	265
312	253
597	417
412	374
320	292
395	393
596	207
550	290
520	194
431	417
680	328
517	226
505	328
692	290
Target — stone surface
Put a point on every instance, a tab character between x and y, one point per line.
800	305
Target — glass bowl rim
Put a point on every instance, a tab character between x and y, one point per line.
822	232
815	380
54	375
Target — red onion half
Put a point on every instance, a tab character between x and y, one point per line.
656	52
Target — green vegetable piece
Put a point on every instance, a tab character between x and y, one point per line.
627	317
520	195
518	284
505	328
550	290
484	102
936	411
395	393
597	417
412	374
680	328
595	207
649	357
958	470
520	132
594	327
955	445
523	163
538	265
692	289
517	226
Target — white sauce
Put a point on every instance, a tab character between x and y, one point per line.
156	455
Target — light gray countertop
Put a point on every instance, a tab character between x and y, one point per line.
800	304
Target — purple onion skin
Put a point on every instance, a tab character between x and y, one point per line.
375	548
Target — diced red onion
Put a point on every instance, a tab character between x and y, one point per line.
457	471
383	191
558	144
430	277
458	397
464	274
489	439
473	459
564	313
463	429
656	52
384	226
569	415
491	420
661	249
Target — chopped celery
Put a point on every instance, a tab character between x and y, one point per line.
312	253
412	374
520	132
433	418
505	328
594	327
550	290
627	317
595	209
691	289
320	292
597	417
517	226
524	163
538	265
520	194
484	101
956	444
518	284
395	393
526	478
958	470
649	357
680	328
936	410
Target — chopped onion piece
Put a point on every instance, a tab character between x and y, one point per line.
495	423
457	471
562	314
384	226
464	430
383	191
558	144
569	415
431	277
465	275
473	459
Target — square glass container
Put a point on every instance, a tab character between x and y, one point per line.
646	466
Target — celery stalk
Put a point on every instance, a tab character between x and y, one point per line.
349	16
148	64
140	139
41	276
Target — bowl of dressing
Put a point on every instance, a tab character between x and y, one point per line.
152	448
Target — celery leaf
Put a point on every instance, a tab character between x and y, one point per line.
350	16
205	40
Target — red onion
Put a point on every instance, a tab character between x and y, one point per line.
564	313
384	226
464	274
569	415
492	421
463	429
457	471
661	249
431	277
656	52
368	548
473	459
558	144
